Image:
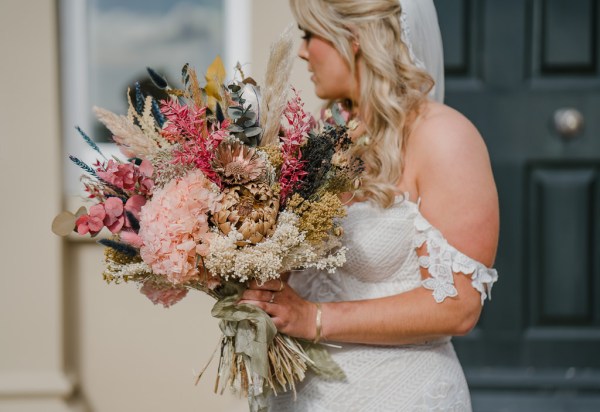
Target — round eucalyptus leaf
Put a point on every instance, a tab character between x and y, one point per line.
252	131
64	223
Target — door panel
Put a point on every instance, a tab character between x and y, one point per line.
510	66
568	35
560	241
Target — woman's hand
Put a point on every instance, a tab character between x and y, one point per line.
290	313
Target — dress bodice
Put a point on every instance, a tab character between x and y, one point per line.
382	259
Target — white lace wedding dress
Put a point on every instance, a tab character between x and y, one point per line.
382	261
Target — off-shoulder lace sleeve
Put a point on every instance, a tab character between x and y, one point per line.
443	260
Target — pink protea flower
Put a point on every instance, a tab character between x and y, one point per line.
174	226
165	295
93	222
237	163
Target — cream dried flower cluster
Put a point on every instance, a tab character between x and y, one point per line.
284	250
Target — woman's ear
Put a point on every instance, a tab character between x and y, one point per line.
355	46
355	40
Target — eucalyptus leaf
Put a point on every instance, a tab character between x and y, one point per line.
64	223
81	211
235	128
234	111
251	116
242	138
252	131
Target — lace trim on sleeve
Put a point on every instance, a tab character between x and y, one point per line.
443	260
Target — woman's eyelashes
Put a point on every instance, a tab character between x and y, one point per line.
307	35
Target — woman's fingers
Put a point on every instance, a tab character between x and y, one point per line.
275	285
289	312
259	295
271	309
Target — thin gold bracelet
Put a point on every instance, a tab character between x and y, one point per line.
319	325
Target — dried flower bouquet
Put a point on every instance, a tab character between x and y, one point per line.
218	190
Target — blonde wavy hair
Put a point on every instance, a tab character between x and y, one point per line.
392	88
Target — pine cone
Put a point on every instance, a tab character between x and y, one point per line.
251	209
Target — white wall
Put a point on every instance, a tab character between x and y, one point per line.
67	340
31	323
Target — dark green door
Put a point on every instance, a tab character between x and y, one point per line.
527	73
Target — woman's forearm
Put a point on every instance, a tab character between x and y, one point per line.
410	317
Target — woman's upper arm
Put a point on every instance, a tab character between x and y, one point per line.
458	222
455	184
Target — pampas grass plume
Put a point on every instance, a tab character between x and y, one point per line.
274	96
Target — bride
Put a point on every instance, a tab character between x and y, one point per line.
421	230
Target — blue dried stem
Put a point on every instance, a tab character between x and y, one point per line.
90	142
83	165
133	221
120	247
139	99
158	116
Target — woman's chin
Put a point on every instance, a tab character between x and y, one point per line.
324	94
321	95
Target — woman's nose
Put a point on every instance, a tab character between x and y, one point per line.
303	51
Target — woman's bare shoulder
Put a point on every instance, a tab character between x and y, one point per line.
442	127
453	176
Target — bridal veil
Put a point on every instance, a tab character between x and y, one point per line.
421	34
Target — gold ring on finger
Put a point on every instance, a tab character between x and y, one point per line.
272	297
281	286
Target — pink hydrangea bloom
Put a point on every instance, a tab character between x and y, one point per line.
114	219
121	175
145	181
93	222
111	214
128	176
166	296
174	226
134	206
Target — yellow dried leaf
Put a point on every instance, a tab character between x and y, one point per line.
215	75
